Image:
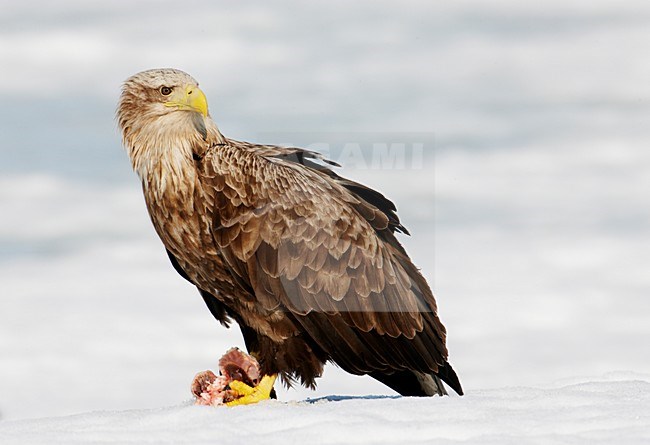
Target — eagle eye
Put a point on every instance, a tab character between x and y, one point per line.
165	91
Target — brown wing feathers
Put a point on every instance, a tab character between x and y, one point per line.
312	247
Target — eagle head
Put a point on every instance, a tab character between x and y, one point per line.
162	110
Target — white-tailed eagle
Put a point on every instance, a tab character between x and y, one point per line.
305	261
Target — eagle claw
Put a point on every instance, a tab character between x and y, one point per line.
249	394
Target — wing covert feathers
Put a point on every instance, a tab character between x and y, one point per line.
312	244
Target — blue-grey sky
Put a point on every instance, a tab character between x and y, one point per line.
487	75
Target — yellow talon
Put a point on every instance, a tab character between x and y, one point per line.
250	394
241	388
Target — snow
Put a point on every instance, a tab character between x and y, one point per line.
587	413
529	212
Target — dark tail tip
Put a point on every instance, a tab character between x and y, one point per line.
448	375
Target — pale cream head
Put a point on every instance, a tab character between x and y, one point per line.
161	110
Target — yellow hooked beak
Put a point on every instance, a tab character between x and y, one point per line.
189	98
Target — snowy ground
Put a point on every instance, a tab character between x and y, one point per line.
588	413
529	213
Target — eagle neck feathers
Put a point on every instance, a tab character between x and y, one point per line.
164	150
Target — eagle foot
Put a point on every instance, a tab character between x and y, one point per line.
248	395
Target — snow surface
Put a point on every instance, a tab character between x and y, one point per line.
586	413
529	211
